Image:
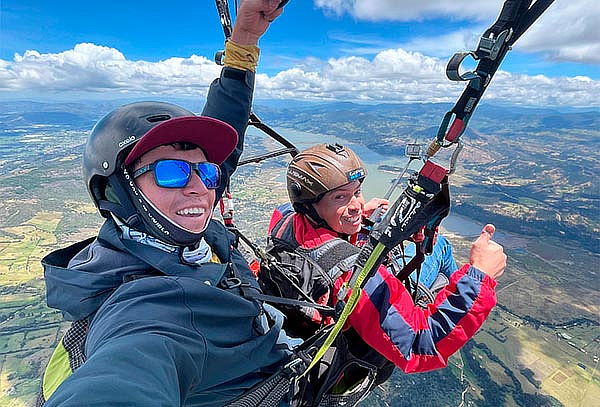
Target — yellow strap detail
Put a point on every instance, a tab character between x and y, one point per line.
244	57
214	259
57	371
348	308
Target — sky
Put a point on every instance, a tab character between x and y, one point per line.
370	51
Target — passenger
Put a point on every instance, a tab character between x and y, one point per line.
311	236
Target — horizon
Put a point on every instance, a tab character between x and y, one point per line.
300	102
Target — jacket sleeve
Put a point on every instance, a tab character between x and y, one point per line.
230	100
448	264
417	339
136	357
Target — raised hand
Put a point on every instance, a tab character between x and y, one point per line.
487	255
375	203
253	19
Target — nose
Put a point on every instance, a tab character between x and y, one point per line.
195	186
355	205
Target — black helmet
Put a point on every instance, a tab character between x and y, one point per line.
109	148
114	136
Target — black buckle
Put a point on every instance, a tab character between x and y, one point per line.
454	65
231	282
491	46
336	148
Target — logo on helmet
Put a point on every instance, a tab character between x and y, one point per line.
355	174
128	140
301	177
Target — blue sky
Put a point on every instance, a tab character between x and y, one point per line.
313	40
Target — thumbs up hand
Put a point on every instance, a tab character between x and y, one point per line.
487	255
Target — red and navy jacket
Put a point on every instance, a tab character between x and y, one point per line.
413	338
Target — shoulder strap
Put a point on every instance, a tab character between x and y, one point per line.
334	256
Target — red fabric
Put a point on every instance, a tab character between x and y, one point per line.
275	217
254	267
365	320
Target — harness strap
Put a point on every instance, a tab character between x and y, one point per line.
515	18
271	392
288	301
335	256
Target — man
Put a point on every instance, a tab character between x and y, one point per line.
159	299
324	186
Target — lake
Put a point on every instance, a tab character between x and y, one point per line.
378	182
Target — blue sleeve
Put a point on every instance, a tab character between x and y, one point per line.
447	264
230	100
142	350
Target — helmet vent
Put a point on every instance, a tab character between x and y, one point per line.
316	167
158	118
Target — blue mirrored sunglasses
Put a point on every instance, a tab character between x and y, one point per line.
171	173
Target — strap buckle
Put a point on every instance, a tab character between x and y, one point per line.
296	366
490	47
231	282
452	69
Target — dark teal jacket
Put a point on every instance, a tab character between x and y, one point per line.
173	337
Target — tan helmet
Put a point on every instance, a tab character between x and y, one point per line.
320	169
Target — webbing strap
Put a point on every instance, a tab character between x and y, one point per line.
288	301
515	18
223	10
370	264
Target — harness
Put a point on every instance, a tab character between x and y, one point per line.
350	368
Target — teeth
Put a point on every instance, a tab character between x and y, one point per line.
190	211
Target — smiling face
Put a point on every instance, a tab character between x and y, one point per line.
342	208
191	206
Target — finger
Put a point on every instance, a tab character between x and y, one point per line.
270	17
494	247
489	228
272	11
487	233
271	5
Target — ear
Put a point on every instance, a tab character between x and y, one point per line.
295	188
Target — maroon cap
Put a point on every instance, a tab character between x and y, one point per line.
216	138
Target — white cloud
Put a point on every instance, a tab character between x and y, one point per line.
567	31
446	44
92	68
409	10
393	75
397	75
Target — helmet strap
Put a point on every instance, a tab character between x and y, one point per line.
145	216
123	207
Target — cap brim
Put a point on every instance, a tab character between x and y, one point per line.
216	138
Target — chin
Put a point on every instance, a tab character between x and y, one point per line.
349	230
355	230
196	227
